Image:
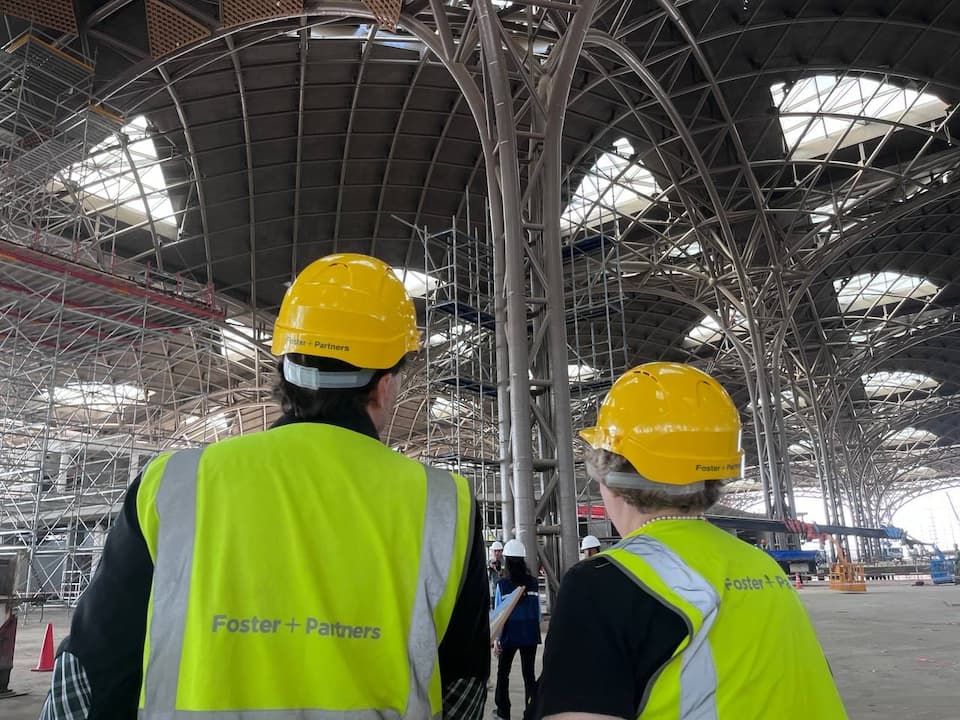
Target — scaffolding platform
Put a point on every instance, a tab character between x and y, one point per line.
462	311
45	115
475	386
97	294
461	460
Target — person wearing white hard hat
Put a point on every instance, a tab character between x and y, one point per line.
494	567
521	632
589	546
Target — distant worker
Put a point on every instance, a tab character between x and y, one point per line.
680	619
217	595
494	567
589	546
521	632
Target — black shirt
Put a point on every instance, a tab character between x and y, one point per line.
108	628
608	639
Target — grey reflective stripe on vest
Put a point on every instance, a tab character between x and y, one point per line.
176	504
698	673
436	556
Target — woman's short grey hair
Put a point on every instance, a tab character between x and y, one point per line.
602	462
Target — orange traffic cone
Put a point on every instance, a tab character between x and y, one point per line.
45	663
798	583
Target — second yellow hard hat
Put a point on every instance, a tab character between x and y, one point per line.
675	424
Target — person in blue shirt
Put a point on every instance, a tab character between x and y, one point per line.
521	632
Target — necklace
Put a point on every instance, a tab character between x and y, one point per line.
669	517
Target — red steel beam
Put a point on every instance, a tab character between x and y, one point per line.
52	263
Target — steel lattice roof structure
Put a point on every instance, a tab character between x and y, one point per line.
765	188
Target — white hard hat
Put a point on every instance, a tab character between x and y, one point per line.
514	548
589	542
497	545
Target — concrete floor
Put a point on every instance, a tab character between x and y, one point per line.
895	652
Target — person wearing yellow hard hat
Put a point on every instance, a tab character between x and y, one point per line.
217	595
680	619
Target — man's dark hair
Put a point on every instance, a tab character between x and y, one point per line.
303	403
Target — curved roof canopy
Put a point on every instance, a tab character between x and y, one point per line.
789	167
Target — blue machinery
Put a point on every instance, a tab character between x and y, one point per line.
943	570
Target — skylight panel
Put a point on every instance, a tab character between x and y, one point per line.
456	341
885	382
207	428
903	325
240	340
615	185
444	408
217	422
686	251
102	397
832	218
909	436
816	112
868	290
418	284
581	372
106	181
788	400
708	330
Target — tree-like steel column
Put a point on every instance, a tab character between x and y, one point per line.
529	185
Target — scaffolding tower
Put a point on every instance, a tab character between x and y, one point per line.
460	383
463	427
104	361
598	351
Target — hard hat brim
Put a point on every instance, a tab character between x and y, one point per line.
593	436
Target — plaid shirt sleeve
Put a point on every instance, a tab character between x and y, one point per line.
69	697
464	699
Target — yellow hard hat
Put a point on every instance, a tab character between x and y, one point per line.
675	424
348	307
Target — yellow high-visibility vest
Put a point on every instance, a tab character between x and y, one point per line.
751	651
307	571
